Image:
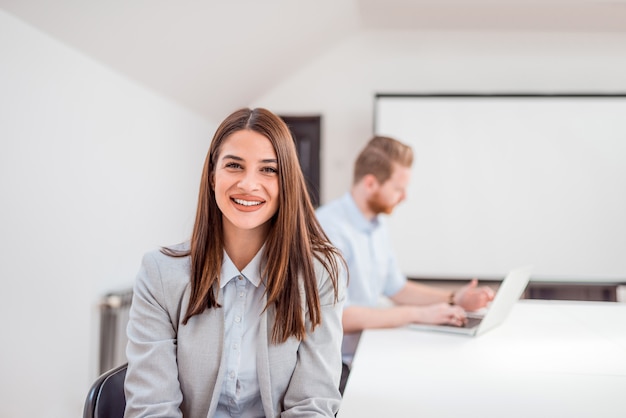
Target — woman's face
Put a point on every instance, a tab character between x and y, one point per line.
246	182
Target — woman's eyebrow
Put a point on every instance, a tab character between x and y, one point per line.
232	157
236	158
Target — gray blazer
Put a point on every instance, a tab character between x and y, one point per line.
176	370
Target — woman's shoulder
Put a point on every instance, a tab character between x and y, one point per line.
322	273
171	264
170	252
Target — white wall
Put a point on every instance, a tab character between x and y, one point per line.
94	171
342	84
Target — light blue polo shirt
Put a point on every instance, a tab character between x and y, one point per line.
366	247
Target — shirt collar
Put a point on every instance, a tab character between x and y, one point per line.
252	271
357	217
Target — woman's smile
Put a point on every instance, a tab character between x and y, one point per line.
249	204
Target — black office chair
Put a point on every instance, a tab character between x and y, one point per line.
106	397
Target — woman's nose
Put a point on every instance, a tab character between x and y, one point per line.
248	181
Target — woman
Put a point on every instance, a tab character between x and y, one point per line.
244	319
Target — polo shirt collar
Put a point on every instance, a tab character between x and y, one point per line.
356	216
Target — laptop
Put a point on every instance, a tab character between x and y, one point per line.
507	295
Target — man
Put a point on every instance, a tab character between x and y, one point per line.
381	176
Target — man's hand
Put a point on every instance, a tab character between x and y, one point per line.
441	313
471	297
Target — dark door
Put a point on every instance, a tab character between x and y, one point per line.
306	131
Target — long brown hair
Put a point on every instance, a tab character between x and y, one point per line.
294	240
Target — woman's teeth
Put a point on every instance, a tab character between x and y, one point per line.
247	202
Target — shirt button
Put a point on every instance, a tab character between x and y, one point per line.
241	295
237	319
232	375
240	277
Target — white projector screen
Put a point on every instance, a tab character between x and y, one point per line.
503	181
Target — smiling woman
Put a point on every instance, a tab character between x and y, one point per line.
246	315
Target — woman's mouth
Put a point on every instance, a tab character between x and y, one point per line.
247	202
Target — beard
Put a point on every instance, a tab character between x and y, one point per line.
377	205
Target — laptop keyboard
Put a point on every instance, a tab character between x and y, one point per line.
471	322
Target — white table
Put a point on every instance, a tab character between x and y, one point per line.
548	359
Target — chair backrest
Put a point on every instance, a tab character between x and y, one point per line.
106	397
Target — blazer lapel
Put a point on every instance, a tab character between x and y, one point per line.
217	389
262	361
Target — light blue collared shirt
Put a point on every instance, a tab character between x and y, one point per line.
243	305
366	247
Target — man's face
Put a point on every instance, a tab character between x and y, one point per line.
385	197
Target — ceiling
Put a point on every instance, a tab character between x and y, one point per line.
214	55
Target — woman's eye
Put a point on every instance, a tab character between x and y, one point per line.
270	170
233	165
